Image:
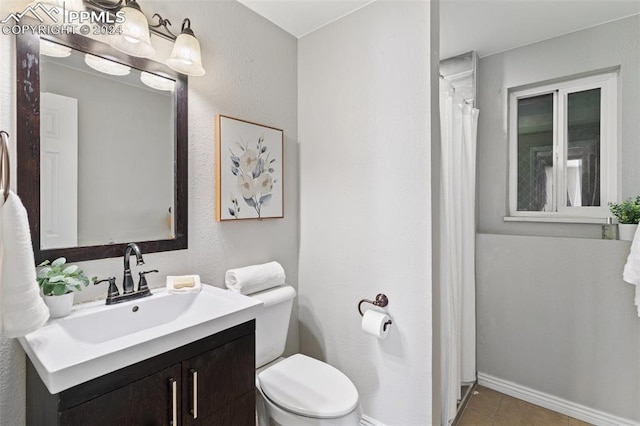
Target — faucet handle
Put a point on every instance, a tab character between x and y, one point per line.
142	284
113	289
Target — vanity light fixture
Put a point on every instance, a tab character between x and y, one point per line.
157	82
63	5
135	39
185	56
106	66
54	50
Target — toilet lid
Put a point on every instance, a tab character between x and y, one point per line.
309	387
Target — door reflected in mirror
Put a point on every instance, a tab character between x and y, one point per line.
107	135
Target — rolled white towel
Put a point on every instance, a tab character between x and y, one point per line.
255	278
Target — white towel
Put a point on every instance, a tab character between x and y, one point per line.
1	255
631	273
255	278
23	310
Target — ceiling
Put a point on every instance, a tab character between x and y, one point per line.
301	17
492	26
486	26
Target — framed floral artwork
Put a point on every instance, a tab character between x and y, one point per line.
249	170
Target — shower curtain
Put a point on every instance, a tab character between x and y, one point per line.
459	121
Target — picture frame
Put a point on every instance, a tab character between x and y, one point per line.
249	170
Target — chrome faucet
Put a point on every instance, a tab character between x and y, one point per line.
128	293
127	281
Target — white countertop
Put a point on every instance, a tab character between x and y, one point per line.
87	343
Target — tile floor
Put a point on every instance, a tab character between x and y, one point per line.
490	408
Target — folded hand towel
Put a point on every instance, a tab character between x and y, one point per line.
255	278
183	284
631	272
23	310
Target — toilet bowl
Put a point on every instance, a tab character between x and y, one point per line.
298	390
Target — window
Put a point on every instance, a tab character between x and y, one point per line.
563	149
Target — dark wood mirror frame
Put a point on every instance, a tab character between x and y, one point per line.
28	144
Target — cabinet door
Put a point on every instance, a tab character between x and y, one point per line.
220	384
242	412
151	401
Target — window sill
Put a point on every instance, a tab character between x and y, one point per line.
587	220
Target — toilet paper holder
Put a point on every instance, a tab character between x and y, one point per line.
381	300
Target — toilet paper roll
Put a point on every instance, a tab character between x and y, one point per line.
373	323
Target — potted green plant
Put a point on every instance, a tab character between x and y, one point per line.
628	214
58	281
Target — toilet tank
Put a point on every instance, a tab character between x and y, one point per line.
272	323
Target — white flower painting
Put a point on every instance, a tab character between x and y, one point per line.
249	164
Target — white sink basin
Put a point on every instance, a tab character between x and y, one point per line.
97	339
125	318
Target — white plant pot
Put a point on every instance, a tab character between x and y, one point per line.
59	306
626	231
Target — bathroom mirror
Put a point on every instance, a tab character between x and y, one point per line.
102	149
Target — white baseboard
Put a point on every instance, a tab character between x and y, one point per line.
368	421
563	406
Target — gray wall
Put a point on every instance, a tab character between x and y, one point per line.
555	316
252	74
553	313
365	202
609	45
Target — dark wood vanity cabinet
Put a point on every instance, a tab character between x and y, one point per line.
207	382
144	402
215	380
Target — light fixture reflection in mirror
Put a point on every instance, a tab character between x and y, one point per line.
106	66
54	50
157	82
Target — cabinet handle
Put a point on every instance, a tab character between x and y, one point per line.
174	401
194	379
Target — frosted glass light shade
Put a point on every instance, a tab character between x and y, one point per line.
185	57
157	82
75	5
106	66
135	39
54	50
52	11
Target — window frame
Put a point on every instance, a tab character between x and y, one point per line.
607	82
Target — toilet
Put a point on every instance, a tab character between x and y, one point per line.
298	390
